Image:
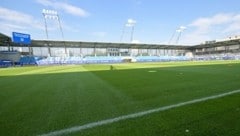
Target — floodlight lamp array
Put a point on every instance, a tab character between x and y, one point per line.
130	23
181	29
49	12
51	17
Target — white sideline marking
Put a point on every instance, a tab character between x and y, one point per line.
134	115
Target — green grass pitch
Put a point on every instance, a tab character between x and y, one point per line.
39	100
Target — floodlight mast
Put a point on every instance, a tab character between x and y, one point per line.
179	34
132	33
173	35
180	30
45	21
130	23
60	26
52	14
123	31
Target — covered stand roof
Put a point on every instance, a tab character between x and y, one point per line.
79	44
4	39
217	44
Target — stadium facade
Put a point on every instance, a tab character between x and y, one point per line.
43	52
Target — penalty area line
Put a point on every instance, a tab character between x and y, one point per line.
133	115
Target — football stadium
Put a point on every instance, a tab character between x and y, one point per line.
84	88
52	88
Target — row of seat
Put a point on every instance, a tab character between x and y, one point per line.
107	59
33	60
223	56
161	58
78	60
6	63
29	60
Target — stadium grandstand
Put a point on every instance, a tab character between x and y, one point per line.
50	52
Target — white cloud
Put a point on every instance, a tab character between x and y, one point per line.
11	20
211	28
234	25
14	16
68	8
15	21
232	28
215	20
204	25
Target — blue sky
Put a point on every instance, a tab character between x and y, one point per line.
104	20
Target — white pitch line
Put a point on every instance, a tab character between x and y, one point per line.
134	115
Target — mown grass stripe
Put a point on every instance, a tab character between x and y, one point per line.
134	115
